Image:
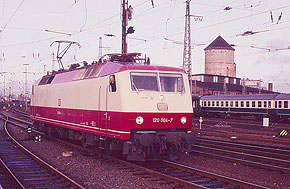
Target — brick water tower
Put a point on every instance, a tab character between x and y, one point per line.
219	58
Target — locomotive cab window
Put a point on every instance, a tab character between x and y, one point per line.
144	81
171	82
112	82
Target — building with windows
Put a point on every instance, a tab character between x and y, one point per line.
220	73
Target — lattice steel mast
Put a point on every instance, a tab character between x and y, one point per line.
187	44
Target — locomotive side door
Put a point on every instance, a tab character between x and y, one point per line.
103	115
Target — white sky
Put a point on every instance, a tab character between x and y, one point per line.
264	55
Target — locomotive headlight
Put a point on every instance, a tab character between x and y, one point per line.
139	120
183	120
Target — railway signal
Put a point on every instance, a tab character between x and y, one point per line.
200	121
29	130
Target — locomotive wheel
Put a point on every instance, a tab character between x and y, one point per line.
107	149
84	142
173	152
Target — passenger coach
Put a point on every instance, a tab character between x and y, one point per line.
267	105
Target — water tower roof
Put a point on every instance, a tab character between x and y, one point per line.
219	43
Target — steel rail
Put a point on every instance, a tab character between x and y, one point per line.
218	151
232	181
43	163
10	174
255	149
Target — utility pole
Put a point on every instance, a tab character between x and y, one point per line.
187	45
100	47
4	85
25	86
44	69
124	26
53	62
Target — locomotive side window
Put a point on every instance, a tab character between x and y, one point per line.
217	103
112	82
259	104
208	103
269	104
171	82
227	103
204	103
242	103
265	104
222	103
247	104
144	81
232	103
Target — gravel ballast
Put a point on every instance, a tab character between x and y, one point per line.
93	173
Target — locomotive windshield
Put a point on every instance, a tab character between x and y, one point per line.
144	81
171	82
150	82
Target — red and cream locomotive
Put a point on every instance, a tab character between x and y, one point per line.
120	104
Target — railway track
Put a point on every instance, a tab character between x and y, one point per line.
170	173
242	135
7	180
27	168
244	125
189	177
262	156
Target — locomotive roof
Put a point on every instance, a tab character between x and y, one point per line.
241	97
102	70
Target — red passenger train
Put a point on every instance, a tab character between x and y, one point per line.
120	104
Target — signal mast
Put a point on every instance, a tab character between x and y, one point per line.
126	15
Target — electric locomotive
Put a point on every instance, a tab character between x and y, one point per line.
120	104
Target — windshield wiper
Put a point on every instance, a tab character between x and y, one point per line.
135	87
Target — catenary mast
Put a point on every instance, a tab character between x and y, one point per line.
187	44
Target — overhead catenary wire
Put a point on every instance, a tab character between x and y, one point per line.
9	20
